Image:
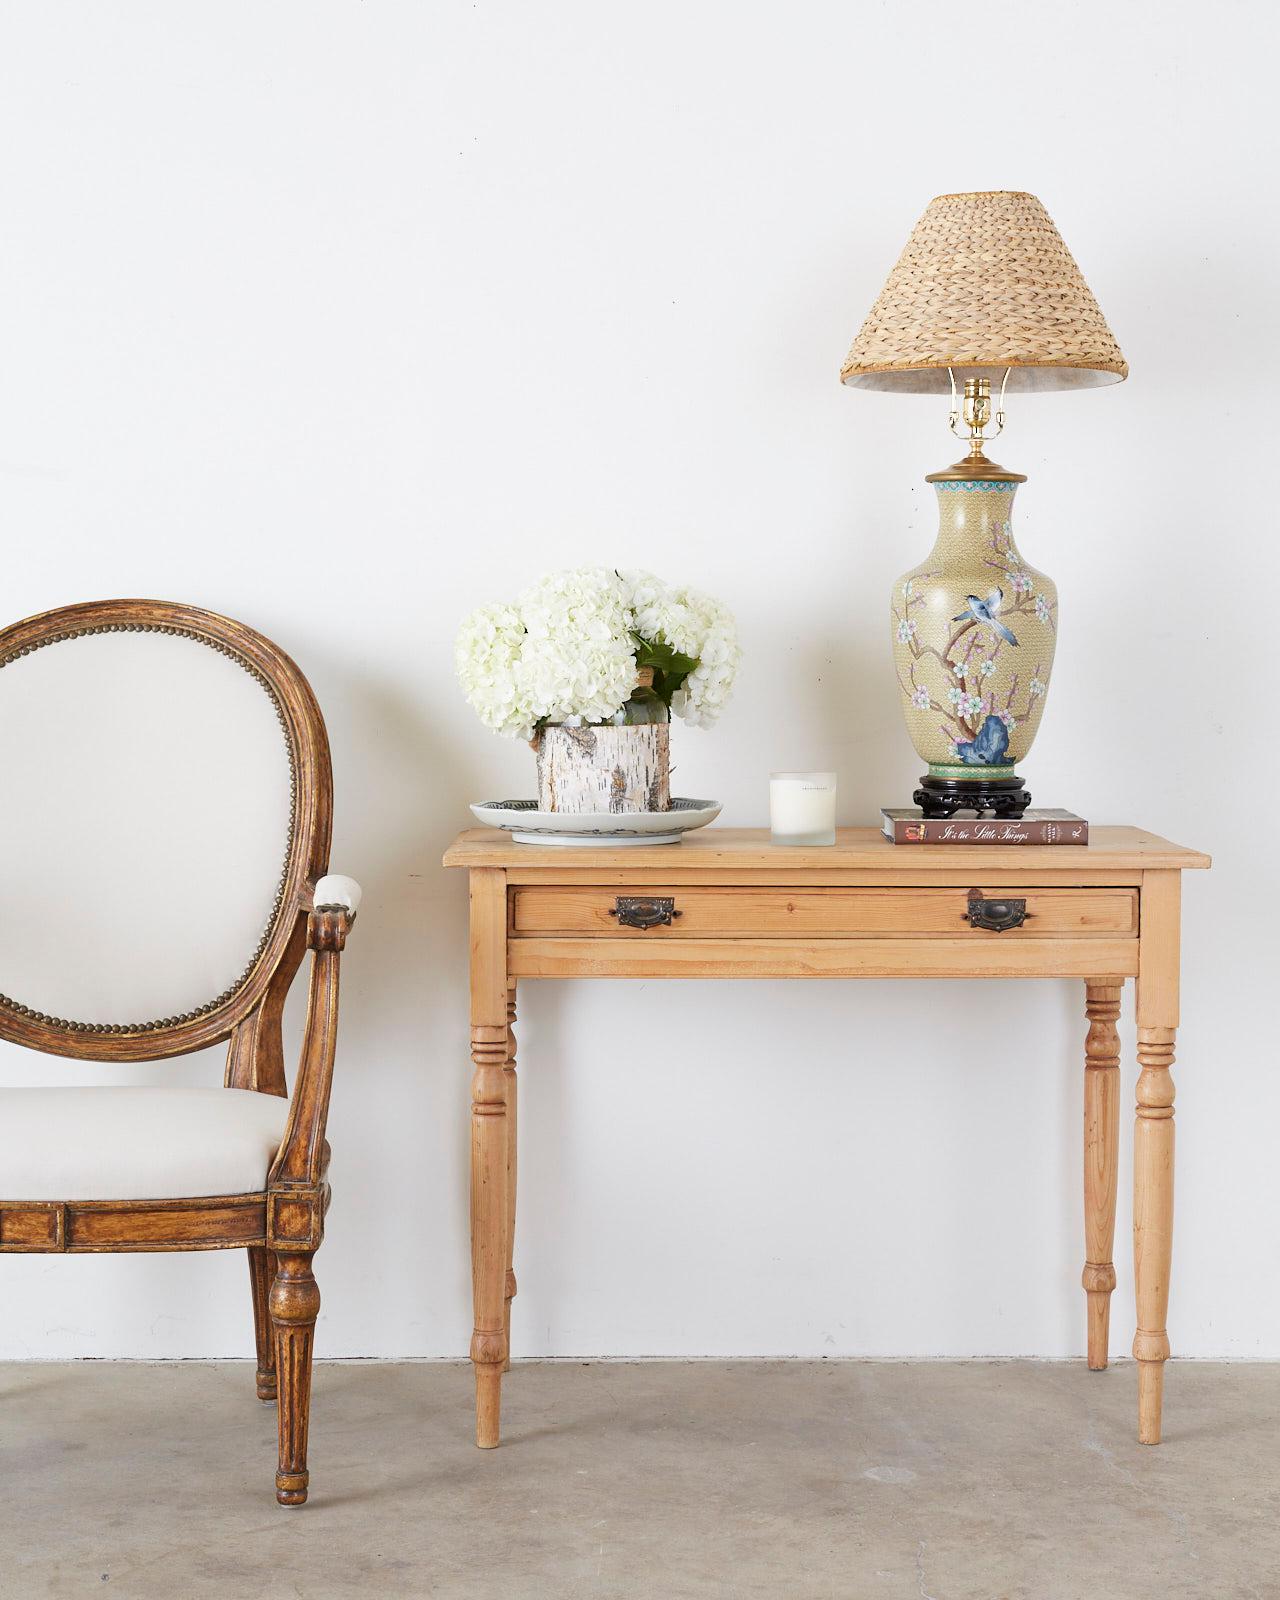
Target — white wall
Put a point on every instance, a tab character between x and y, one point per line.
344	317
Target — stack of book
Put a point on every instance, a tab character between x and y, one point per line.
905	825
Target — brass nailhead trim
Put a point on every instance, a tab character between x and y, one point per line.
227	994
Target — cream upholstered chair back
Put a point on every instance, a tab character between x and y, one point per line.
164	812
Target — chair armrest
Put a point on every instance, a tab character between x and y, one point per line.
301	1158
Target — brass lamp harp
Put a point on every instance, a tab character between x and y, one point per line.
976	411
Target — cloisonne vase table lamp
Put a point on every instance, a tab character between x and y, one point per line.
985	293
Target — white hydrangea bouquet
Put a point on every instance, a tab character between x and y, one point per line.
587	665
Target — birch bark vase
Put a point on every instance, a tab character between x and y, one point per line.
616	769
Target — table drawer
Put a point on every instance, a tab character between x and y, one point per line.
729	913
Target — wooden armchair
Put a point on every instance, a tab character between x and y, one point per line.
162	856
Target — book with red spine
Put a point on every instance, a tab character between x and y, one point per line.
905	825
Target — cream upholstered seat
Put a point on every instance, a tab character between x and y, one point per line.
136	1144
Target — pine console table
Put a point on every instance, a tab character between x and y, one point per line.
726	903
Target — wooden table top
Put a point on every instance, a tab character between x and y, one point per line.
1109	848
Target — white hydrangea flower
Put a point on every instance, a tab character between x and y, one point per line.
696	626
578	664
649	604
487	659
566	652
714	642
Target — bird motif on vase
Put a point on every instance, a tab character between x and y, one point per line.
984	611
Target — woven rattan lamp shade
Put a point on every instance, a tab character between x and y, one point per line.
984	284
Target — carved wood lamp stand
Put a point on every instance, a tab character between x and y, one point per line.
727	904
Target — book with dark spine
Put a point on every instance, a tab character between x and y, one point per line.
905	825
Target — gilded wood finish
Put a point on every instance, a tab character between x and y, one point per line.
863	908
308	846
262	1271
282	1226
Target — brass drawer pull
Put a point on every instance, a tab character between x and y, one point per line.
997	915
644	911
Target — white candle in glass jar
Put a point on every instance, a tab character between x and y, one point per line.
802	807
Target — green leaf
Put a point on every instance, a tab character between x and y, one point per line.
670	666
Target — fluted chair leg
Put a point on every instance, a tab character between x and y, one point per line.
295	1304
262	1269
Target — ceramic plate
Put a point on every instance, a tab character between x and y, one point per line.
607	828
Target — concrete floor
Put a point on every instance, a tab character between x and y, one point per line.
788	1480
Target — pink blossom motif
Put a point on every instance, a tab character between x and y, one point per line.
1042	608
906	630
1020	583
1036	688
1009	720
920	699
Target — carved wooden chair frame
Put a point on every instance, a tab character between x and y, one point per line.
282	1225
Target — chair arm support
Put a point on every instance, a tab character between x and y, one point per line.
335	901
300	1160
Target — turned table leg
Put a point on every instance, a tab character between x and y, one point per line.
1152	1221
490	1037
509	1072
1101	1158
1153	1141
